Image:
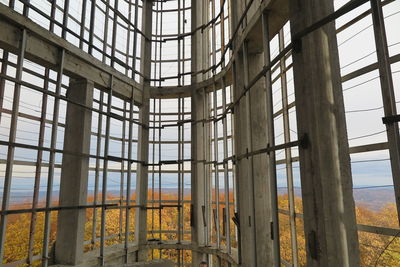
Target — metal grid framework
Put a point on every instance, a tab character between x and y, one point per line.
34	110
32	143
31	135
169	176
107	30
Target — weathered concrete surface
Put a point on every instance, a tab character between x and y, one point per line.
143	145
262	191
255	236
74	174
199	135
328	204
155	263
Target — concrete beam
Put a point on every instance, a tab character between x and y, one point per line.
74	174
328	204
43	48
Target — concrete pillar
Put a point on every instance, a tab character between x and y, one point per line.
262	199
328	205
198	176
74	174
244	191
143	137
252	182
198	134
255	235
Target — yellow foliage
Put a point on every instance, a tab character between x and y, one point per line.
16	246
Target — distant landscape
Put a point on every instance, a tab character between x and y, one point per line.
375	250
371	198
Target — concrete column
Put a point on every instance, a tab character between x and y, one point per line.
255	234
250	133
198	145
198	176
74	174
328	205
244	191
143	137
262	199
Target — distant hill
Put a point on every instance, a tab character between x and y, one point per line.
371	198
374	199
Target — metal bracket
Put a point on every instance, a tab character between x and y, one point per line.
391	119
313	245
236	221
297	45
192	223
203	211
304	141
272	230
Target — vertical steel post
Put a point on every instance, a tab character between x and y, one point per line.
179	134
65	20
50	178
215	125
288	152
129	177
91	26
3	80
121	188
97	166
128	41
105	173
11	139
216	171
179	180
105	37
235	147
207	187
38	168
114	33
388	95
159	170
226	173
83	21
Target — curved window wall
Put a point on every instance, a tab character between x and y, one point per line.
223	150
